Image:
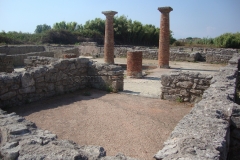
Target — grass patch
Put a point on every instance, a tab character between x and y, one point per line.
180	99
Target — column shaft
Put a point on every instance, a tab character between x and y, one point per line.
109	37
164	38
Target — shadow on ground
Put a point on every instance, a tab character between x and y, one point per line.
56	101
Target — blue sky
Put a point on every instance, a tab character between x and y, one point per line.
189	18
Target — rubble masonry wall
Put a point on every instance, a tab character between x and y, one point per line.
211	129
58	77
6	63
184	86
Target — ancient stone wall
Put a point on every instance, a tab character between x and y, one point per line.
35	61
105	76
218	57
18	59
6	63
211	55
11	50
58	77
21	139
176	54
63	52
184	56
184	86
205	132
91	50
52	48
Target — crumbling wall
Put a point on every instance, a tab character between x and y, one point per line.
18	59
58	77
6	63
61	53
91	49
21	139
218	57
185	56
184	86
35	61
43	81
205	132
11	50
57	48
105	76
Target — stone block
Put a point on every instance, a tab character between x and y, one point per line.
185	84
195	91
27	80
184	92
8	95
29	89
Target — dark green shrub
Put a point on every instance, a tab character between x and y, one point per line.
59	37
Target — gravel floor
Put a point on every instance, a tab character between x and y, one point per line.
133	125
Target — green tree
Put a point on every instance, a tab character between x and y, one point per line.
97	25
71	26
228	40
42	28
60	26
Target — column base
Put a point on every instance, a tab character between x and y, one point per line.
164	66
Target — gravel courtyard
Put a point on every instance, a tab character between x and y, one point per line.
133	125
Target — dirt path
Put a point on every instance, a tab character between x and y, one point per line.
135	126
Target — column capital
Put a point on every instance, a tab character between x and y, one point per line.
165	9
109	13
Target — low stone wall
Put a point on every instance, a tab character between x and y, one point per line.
91	50
21	139
61	53
58	77
185	56
6	63
100	76
184	86
220	57
106	77
210	55
12	50
205	132
176	53
57	48
18	59
35	61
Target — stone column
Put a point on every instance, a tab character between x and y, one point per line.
164	38
109	37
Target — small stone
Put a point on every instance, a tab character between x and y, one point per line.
18	129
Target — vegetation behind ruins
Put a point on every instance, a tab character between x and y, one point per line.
126	32
226	40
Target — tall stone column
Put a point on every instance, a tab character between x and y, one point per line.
109	37
164	38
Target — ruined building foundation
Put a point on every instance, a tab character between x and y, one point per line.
109	37
134	64
164	38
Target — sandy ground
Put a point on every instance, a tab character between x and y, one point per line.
133	125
